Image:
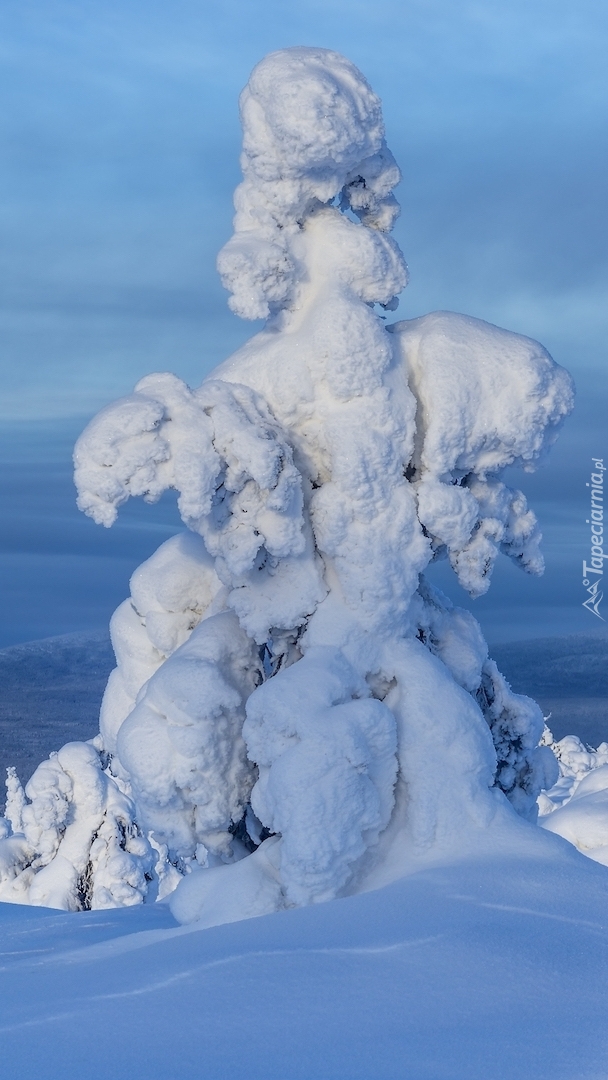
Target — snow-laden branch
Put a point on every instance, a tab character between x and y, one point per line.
218	446
486	399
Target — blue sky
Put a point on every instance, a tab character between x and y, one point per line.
121	126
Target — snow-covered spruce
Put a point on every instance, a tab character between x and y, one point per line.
576	807
294	708
73	841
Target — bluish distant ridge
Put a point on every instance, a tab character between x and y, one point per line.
50	693
51	689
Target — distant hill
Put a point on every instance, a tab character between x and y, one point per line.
50	693
51	690
568	676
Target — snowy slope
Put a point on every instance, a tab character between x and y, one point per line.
489	968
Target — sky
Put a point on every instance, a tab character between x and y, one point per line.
121	141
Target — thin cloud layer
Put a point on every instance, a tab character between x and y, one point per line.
122	131
123	138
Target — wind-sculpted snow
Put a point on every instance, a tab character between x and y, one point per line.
169	593
181	745
295	713
326	754
426	978
522	767
312	132
217	446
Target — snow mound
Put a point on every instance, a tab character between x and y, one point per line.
326	756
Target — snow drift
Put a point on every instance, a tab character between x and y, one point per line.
296	713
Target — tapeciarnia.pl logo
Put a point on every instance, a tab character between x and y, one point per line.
594	571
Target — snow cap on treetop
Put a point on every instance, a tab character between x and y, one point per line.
308	111
312	133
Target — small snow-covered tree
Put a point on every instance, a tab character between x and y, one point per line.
295	710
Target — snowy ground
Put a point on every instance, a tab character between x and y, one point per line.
489	968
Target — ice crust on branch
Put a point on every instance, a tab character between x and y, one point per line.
296	713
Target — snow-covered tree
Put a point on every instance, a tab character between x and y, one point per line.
295	710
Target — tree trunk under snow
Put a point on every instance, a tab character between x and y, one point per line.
295	712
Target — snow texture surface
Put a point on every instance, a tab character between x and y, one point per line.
426	978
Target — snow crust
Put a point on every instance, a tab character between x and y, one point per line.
296	714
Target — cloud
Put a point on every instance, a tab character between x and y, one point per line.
121	128
123	137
